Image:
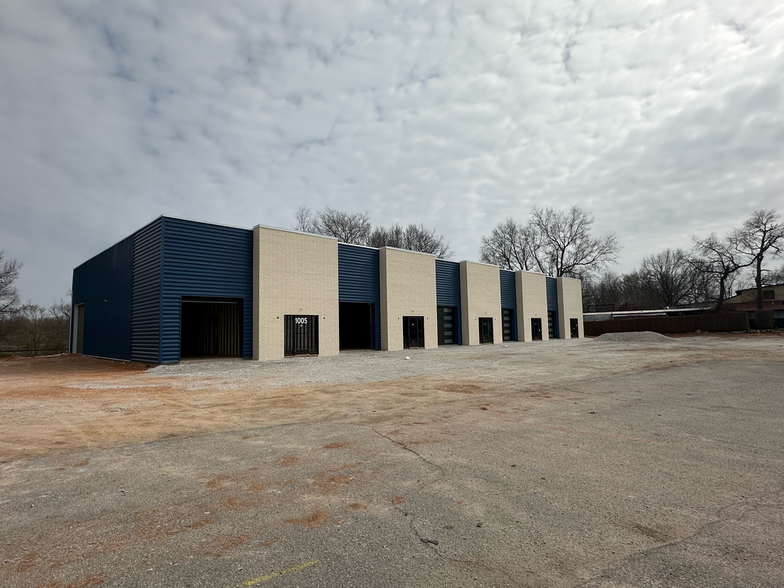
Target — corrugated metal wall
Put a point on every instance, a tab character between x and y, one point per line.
146	296
204	260
358	281
509	297
448	290
552	301
103	285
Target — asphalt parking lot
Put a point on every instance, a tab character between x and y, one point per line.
669	474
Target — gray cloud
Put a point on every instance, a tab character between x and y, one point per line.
662	119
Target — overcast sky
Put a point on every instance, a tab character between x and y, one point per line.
661	119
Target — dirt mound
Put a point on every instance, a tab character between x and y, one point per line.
635	337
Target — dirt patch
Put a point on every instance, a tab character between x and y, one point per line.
70	403
219	482
158	523
331	484
218	546
656	534
462	388
288	461
315	520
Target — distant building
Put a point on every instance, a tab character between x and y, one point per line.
772	299
635	314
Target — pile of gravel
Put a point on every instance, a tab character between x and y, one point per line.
636	337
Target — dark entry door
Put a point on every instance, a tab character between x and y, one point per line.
413	332
301	336
536	329
574	327
506	323
446	325
485	330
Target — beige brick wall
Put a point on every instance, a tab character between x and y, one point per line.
293	273
531	303
480	296
570	305
408	288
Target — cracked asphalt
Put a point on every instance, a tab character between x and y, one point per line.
666	477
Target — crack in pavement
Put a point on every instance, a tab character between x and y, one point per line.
439	552
752	504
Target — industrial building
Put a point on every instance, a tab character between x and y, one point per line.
179	288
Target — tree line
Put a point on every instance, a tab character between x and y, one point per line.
356	229
560	243
29	329
707	273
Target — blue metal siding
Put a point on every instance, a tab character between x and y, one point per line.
358	281
552	301
203	260
509	297
146	294
103	285
448	290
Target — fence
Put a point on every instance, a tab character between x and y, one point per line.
31	352
712	323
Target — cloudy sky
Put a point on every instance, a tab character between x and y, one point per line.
662	119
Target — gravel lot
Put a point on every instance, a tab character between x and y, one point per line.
566	463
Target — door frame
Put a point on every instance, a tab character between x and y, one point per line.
419	324
289	349
484	320
77	328
534	321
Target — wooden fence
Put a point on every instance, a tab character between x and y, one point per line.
712	323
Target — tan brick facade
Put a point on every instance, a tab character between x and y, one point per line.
293	273
480	294
531	291
408	288
570	305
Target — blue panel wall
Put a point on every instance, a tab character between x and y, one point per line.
509	297
103	285
146	297
552	300
358	281
448	290
203	260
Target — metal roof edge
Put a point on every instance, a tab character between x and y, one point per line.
297	232
433	255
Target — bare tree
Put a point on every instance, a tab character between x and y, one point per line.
393	236
346	227
775	276
552	242
669	278
413	237
605	293
720	259
306	220
511	246
30	332
761	235
9	296
567	246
